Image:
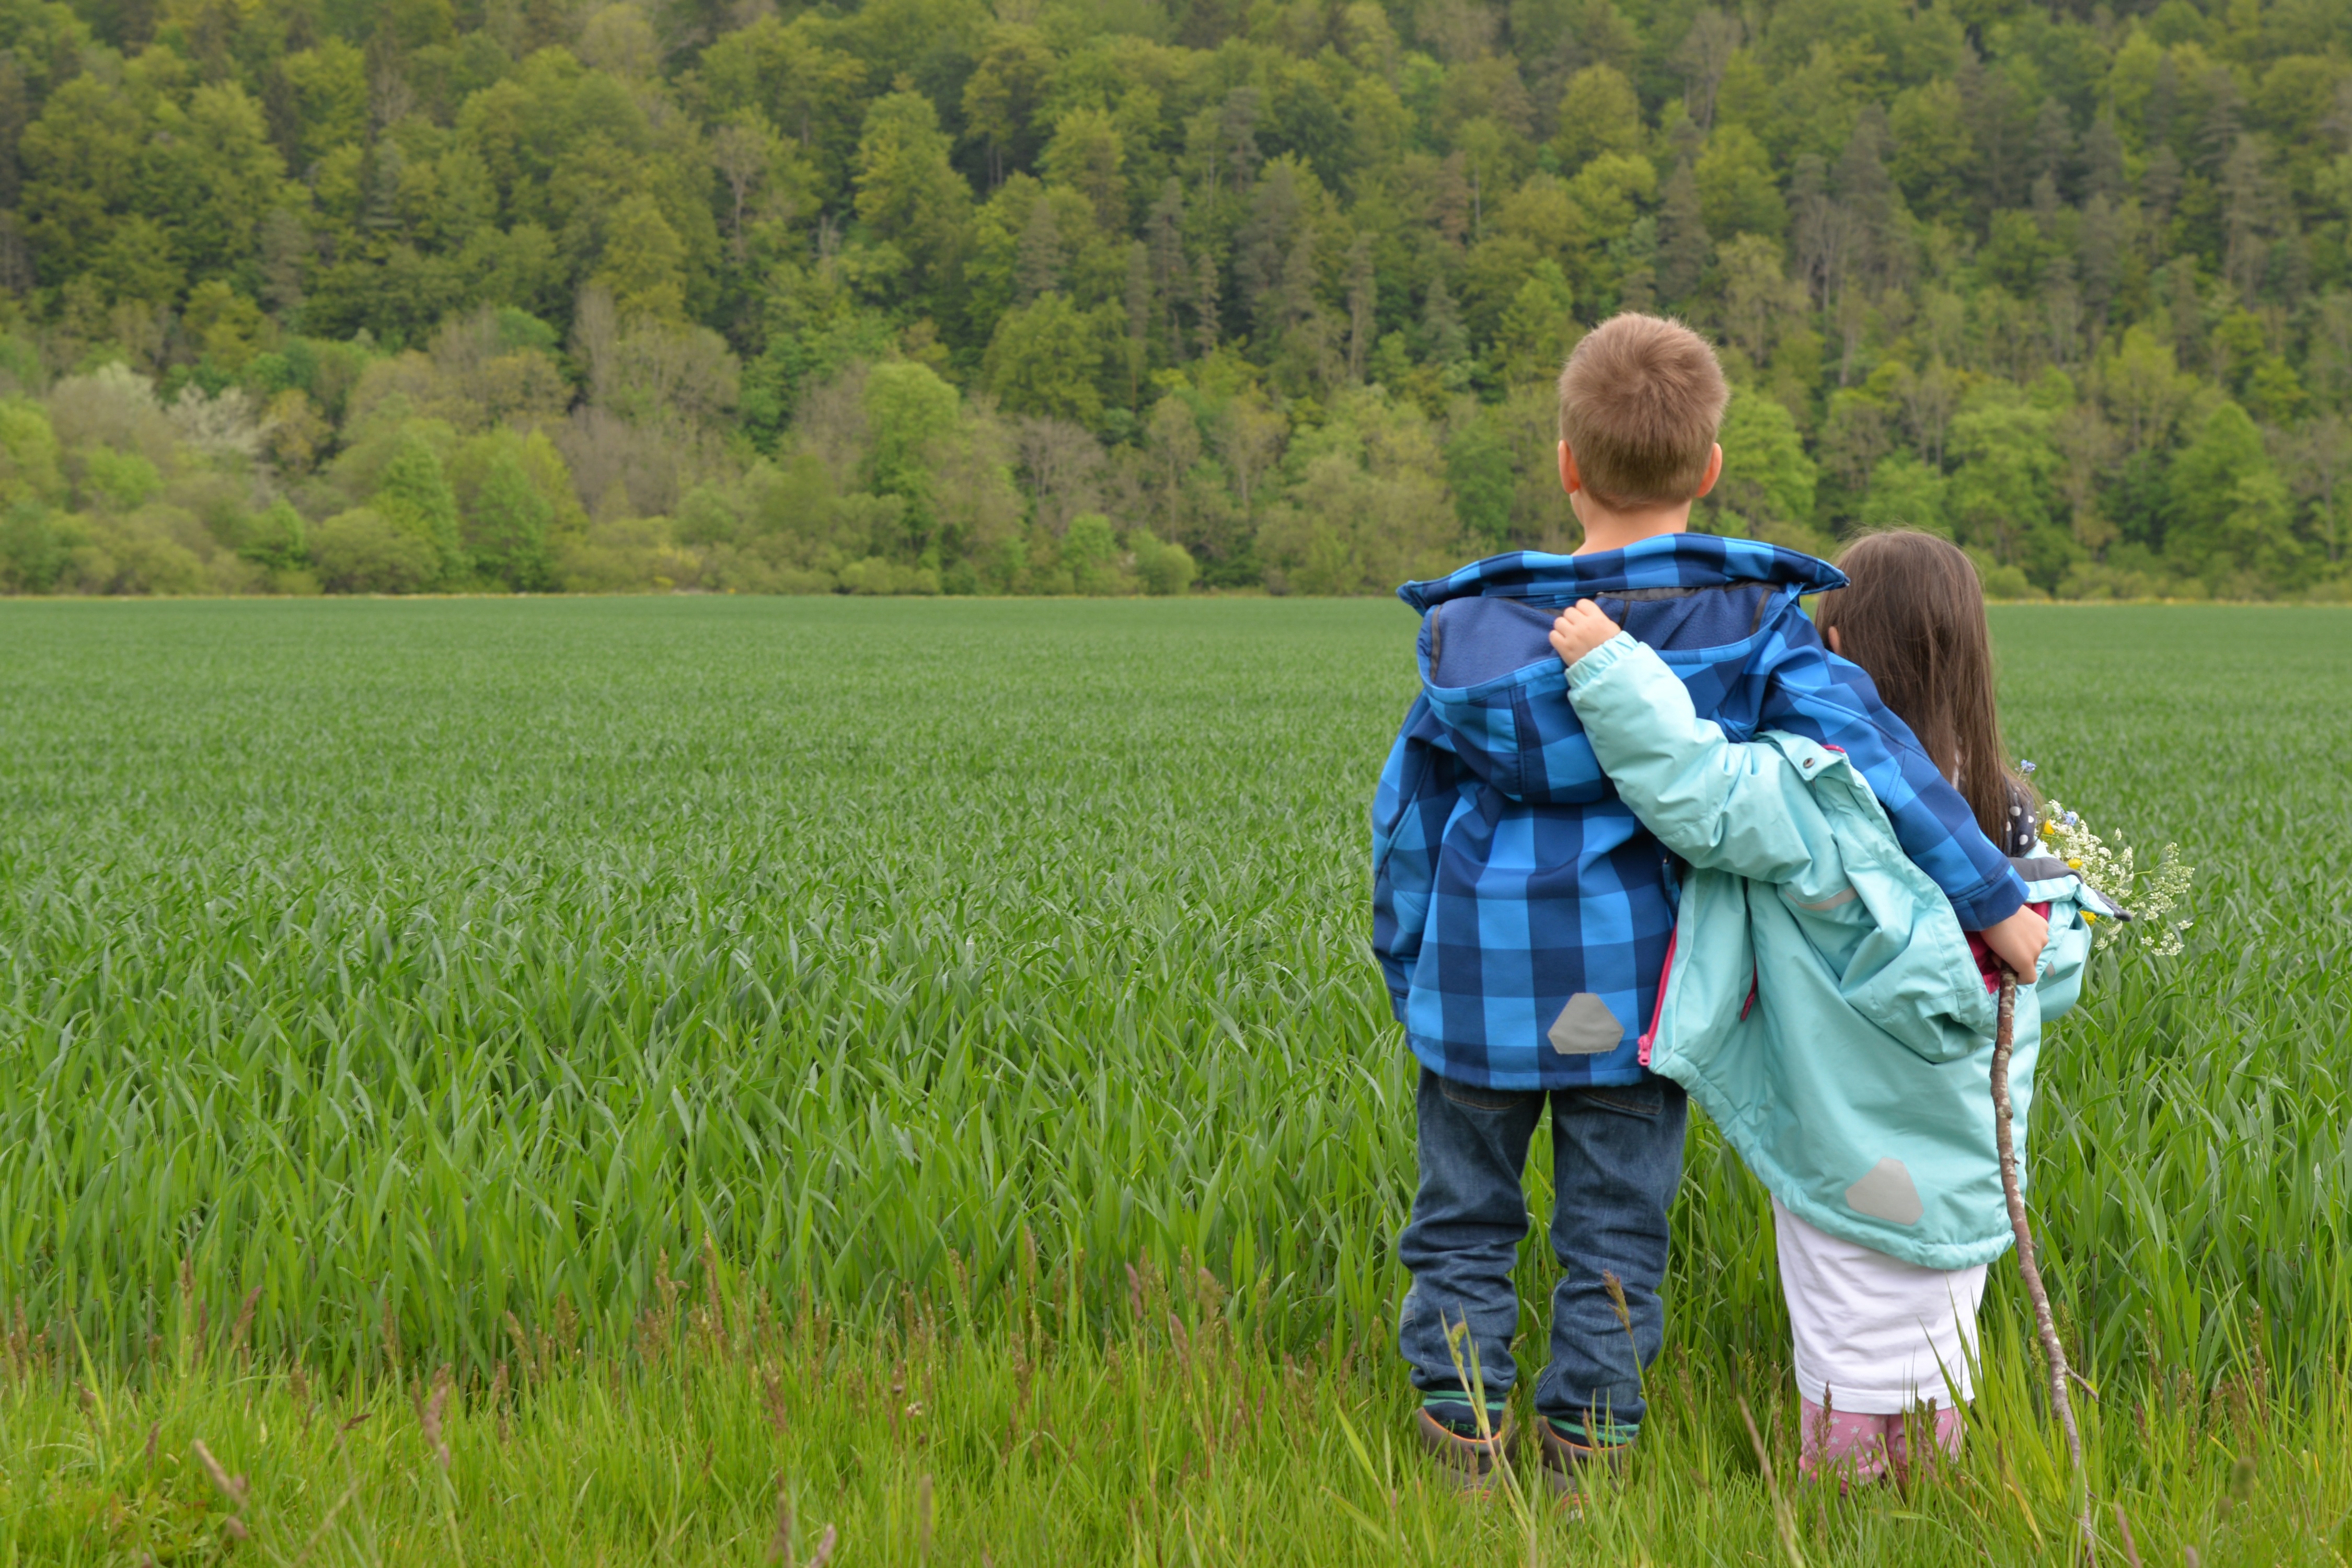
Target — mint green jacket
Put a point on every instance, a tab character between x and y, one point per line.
1820	1002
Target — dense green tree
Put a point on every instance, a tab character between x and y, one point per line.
1767	478
1046	358
413	497
643	262
1599	113
907	192
1905	494
1737	191
2002	496
362	552
506	529
277	538
29	477
909	413
2229	512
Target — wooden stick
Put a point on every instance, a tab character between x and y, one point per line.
2052	1349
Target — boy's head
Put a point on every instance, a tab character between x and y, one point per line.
1639	406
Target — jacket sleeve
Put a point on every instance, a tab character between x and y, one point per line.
2067	952
1810	692
1720	804
1407	827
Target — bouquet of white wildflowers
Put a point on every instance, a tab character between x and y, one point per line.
2153	897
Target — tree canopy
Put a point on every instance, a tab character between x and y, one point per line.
1054	296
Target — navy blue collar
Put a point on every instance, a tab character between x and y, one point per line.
1668	560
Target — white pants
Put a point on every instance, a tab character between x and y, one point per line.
1875	1335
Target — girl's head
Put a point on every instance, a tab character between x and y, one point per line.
1914	617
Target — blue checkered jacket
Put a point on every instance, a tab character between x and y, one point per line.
1521	912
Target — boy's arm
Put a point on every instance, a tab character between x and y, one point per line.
1720	804
1809	692
1406	829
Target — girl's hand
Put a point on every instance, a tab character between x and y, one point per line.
1581	627
2018	941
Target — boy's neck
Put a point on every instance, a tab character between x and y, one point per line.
1608	528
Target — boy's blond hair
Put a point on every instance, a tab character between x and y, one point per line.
1639	406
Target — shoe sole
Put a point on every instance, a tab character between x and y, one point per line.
1569	1468
1470	1461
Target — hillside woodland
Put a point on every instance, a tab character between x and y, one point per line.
1113	296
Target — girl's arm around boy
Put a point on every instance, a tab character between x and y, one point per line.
1720	805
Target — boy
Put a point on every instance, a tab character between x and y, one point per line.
1523	916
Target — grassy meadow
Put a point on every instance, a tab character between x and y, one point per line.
921	1062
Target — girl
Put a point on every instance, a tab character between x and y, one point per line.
1822	1001
1875	1335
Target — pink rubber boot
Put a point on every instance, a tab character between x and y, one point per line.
1867	1448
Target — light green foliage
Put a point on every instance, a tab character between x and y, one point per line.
413	497
1932	150
363	551
118	481
28	456
1766	474
1735	189
230	327
1540	325
1478	468
2000	494
1612	188
815	330
1905	494
1599	113
1087	154
643	263
1090	553
909	414
540	466
1369	503
1045	358
906	187
1164	569
329	85
506	529
276	538
2231	509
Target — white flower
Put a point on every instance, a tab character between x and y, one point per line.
2152	899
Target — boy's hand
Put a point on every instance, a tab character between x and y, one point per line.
1581	627
2017	942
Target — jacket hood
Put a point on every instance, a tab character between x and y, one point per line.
1668	560
1493	686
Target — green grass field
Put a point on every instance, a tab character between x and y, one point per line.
710	1027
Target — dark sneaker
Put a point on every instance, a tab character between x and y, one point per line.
1467	1457
1572	1461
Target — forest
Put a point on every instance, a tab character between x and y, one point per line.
1147	296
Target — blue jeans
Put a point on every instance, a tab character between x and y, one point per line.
1617	1155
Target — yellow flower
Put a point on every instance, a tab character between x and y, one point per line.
2092	916
2073	865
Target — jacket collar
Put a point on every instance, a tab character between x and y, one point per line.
1668	560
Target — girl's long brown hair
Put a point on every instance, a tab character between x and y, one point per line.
1913	619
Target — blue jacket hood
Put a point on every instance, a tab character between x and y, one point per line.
1669	561
1493	683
